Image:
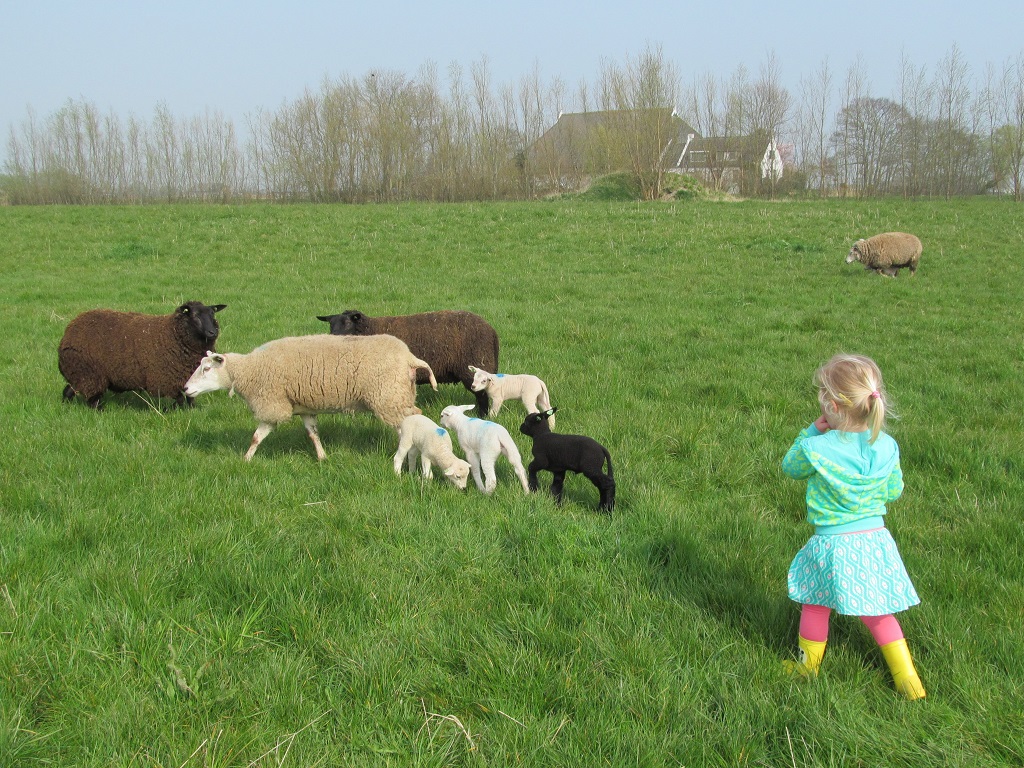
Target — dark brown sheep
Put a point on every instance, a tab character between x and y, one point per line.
449	340
120	351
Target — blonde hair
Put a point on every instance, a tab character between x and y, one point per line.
853	383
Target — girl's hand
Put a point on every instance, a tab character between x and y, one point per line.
822	424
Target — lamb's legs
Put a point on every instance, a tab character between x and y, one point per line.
534	482
490	478
310	421
261	432
483	402
425	466
556	486
606	487
474	467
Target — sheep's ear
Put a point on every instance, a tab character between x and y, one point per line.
473	368
218	307
215	358
325	318
550	411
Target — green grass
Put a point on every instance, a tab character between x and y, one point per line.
163	603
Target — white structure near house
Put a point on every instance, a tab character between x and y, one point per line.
771	162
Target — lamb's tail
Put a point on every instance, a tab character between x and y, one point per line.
608	458
415	364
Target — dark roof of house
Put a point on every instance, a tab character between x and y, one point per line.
569	136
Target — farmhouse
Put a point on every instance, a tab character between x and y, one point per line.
586	144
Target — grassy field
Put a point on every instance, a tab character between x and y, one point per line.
163	603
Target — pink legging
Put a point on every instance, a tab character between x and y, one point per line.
814	625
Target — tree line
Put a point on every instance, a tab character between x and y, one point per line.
387	136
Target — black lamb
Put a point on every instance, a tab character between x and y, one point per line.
559	454
449	340
103	349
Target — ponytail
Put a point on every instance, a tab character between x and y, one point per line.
854	383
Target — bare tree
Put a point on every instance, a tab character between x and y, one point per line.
640	100
815	100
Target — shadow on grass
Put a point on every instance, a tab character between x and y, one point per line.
338	433
729	586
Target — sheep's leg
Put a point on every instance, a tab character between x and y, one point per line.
483	402
400	456
309	420
606	487
69	393
261	432
521	474
425	467
474	467
496	402
534	481
490	478
556	486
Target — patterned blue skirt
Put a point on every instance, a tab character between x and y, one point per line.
857	574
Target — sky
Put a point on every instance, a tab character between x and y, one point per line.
234	58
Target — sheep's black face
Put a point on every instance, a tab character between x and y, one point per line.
202	320
535	424
345	324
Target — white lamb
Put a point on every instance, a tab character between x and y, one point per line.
418	436
512	386
483	441
306	375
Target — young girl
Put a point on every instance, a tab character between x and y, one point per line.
851	564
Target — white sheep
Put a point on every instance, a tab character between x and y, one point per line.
419	436
512	386
887	253
306	375
483	441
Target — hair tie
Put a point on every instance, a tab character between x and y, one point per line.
876	394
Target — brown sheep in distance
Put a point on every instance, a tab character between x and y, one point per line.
103	349
449	340
887	253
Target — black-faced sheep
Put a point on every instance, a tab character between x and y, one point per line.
559	454
449	340
512	386
483	442
887	253
419	437
102	349
306	375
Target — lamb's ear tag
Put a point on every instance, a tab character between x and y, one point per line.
550	411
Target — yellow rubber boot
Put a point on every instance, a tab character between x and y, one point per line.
811	653
897	656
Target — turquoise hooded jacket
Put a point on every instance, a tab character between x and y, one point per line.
849	480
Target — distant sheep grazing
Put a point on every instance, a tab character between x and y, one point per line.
450	341
306	375
103	349
559	454
512	386
419	437
483	441
887	253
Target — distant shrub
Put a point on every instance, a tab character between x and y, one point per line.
615	187
685	187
